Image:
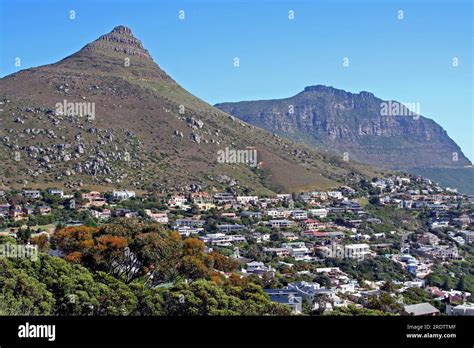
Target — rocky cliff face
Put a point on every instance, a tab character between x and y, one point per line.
359	126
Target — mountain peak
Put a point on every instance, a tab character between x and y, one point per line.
122	29
332	90
319	88
120	40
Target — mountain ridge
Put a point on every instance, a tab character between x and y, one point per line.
319	108
147	131
354	125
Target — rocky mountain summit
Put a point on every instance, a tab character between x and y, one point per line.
108	115
120	40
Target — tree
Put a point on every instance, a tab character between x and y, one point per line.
22	294
388	286
42	241
352	310
24	234
384	302
149	300
74	239
111	254
203	297
322	280
460	286
374	199
194	268
415	295
446	284
199	298
160	253
222	263
115	297
321	302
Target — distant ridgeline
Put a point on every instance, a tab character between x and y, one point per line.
364	128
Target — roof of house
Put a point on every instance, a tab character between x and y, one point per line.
421	309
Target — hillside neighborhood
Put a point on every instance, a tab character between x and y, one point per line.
390	246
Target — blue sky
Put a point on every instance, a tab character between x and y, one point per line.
409	60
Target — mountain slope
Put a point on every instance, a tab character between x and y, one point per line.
140	129
355	125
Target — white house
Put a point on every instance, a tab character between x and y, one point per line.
258	268
32	194
357	251
466	309
177	201
299	214
320	213
56	192
298	250
221	239
277	213
284	196
335	194
280	223
439	224
261	237
188	230
123	195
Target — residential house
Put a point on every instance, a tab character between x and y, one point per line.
261	237
278	252
95	199
289	236
284	197
251	214
309	224
159	217
44	210
299	215
222	239
28	210
466	309
188	230
357	251
247	199
34	194
421	309
228	228
258	268
177	201
335	195
319	213
224	198
286	297
280	223
56	192
277	213
468	236
105	214
188	222
203	200
123	195
16	212
298	250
